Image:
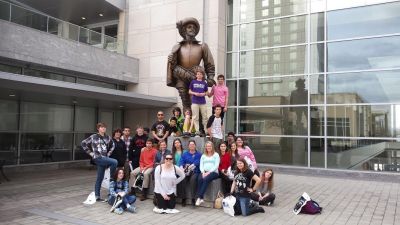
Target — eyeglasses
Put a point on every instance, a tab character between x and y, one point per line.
168	158
160	114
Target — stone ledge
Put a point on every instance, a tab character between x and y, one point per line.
333	173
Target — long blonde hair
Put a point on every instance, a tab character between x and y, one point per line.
212	148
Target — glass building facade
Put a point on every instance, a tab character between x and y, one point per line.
315	83
35	132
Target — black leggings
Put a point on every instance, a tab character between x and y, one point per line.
165	204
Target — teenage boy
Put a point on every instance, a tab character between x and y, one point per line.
127	138
231	138
160	129
138	142
146	164
198	89
173	128
221	95
215	127
97	146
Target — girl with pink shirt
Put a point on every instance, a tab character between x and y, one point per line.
245	151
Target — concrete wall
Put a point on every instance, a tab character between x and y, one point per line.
33	46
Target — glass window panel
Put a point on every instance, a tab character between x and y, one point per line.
317	121
233	11
316	89
71	31
95	39
360	121
263	9
45	147
85	119
274	121
230	116
232	65
273	32
55	26
274	91
232	38
361	154
78	151
4	11
48	75
358	22
317	154
117	122
96	83
277	61
84	35
28	18
8	147
317	58
374	53
46	117
358	85
10	69
232	100
317	27
8	115
279	150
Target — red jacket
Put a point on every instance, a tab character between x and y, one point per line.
225	162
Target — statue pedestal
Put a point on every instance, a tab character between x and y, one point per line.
200	141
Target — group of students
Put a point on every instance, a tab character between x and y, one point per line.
173	171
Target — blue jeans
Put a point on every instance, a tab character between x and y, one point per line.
127	199
202	183
244	205
102	164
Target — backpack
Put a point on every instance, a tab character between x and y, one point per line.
306	205
139	181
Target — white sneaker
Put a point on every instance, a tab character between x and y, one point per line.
157	210
197	202
171	211
201	201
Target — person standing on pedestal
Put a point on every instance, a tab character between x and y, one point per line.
221	95
198	89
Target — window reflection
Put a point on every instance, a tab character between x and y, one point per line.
262	9
279	150
274	121
358	22
375	53
273	32
361	121
277	61
364	154
384	83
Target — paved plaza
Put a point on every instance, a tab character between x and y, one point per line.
56	197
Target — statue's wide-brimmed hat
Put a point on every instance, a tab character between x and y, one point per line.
189	20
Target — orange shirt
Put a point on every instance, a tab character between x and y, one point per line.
147	158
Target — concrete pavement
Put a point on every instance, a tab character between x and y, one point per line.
56	197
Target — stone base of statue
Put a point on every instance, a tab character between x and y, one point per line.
200	141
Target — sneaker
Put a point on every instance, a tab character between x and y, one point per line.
199	202
171	211
131	209
193	202
99	199
116	204
118	211
157	210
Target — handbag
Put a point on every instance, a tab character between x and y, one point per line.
218	200
228	204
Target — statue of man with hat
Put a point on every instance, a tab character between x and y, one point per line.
186	57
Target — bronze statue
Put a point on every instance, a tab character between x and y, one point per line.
185	58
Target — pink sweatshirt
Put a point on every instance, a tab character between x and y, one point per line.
247	152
